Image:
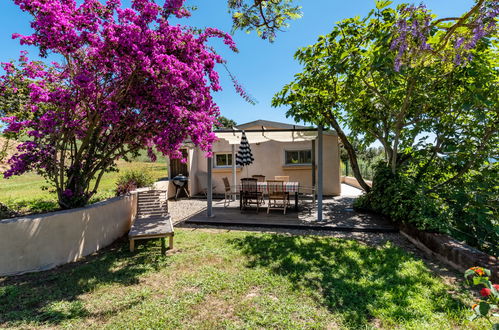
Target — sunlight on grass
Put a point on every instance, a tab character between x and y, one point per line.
238	280
31	193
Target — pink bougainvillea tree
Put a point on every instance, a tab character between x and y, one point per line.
129	80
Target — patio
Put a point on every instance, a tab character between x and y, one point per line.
337	215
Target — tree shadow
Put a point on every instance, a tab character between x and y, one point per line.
53	296
357	282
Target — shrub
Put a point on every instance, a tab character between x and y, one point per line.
6	212
27	206
466	210
402	200
131	180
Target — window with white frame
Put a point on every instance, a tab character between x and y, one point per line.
223	159
298	157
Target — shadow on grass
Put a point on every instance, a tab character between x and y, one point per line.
357	282
51	297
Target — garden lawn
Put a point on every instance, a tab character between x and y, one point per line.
237	280
30	193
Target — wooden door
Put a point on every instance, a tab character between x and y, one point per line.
177	167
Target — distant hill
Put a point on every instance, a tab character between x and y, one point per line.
7	149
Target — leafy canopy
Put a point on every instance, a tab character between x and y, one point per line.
129	80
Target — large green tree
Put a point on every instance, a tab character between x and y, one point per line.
351	79
427	90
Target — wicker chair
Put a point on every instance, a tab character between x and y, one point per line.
250	194
278	199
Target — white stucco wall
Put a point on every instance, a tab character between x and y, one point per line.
44	241
269	161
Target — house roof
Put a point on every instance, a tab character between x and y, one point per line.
269	124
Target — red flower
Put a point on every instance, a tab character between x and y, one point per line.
496	286
485	292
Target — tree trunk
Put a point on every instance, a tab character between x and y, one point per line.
350	150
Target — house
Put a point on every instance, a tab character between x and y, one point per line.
278	149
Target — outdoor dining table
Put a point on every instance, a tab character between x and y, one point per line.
289	187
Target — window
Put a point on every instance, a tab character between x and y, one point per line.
298	157
223	160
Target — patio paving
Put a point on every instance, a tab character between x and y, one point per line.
338	215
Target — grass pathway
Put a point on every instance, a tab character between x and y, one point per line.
237	280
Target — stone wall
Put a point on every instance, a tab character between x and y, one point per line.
454	253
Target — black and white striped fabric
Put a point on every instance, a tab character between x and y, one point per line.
244	156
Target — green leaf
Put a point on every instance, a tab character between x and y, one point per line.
484	308
380	4
469	272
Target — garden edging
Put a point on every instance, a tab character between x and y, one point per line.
353	182
44	241
450	251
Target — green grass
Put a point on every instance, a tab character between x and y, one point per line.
30	193
237	280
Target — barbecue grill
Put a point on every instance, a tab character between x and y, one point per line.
180	182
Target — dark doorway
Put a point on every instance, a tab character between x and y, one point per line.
177	167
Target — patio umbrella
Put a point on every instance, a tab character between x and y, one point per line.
244	156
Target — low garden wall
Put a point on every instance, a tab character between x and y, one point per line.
454	253
44	241
353	182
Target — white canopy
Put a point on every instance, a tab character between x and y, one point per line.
268	135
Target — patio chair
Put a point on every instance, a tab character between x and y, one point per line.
260	178
228	192
278	199
203	182
250	194
284	178
152	219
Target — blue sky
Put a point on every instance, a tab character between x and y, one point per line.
262	68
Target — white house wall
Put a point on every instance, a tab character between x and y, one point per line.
269	161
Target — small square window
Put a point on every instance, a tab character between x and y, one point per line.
223	160
298	157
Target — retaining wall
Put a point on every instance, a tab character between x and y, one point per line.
454	253
44	241
353	182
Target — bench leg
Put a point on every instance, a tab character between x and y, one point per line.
170	242
132	245
163	247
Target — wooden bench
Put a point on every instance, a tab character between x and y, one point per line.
152	220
